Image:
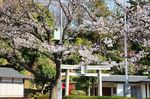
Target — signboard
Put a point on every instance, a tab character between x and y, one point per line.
57	34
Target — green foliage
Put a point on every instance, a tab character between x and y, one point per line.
102	9
42	97
118	12
84	82
40	63
115	56
5	45
83	41
28	56
101	57
44	16
72	59
137	47
45	66
3	61
118	71
145	60
86	97
95	97
78	92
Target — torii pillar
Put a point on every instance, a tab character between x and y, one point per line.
99	83
67	83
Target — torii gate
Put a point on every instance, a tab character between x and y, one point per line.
84	72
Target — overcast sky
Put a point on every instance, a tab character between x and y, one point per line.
110	4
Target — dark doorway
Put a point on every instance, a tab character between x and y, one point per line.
106	91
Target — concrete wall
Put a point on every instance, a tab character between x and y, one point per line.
120	89
11	88
143	90
148	90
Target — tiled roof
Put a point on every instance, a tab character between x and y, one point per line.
121	78
9	72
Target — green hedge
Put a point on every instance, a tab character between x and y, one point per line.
86	97
42	97
77	93
94	97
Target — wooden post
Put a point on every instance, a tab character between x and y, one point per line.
67	83
99	83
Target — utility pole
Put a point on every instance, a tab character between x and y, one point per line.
125	50
61	26
60	44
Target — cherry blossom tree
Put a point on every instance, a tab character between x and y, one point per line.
138	29
28	24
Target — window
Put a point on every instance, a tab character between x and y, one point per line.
17	80
6	79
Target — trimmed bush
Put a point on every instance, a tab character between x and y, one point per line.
42	97
95	97
78	93
86	97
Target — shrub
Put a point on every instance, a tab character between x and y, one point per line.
42	97
95	97
78	93
86	97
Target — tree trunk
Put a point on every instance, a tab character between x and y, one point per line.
53	91
54	88
54	84
42	90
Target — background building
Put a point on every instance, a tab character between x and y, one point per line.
11	83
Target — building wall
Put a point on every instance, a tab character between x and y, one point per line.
143	90
120	89
148	90
140	90
11	87
136	91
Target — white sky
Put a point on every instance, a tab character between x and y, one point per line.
111	4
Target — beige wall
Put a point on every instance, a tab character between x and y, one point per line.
11	89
